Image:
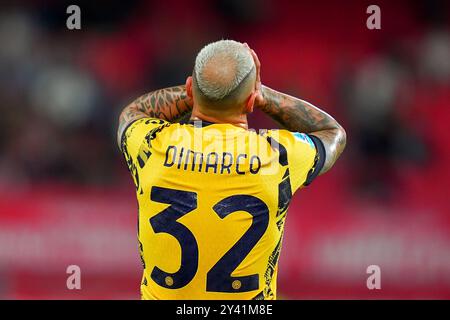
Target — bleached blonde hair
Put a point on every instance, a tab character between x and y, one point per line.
233	63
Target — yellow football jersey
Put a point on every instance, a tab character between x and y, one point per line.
212	205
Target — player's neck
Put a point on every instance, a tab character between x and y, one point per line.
239	120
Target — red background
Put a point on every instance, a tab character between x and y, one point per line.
85	213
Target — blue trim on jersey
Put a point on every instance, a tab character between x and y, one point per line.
304	138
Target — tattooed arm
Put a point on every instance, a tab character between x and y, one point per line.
169	104
300	116
297	115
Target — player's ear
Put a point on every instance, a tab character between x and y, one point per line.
189	86
250	102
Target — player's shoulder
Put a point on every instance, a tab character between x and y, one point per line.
289	139
145	123
304	153
136	131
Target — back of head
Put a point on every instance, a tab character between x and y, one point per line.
224	76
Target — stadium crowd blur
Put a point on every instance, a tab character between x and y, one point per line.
61	92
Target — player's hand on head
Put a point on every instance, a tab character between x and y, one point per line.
259	100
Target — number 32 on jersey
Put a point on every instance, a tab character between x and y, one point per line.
219	277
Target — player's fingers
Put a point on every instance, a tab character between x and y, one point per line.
258	84
254	56
258	66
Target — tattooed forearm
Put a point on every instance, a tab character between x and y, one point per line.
169	104
297	115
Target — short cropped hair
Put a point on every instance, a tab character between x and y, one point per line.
236	62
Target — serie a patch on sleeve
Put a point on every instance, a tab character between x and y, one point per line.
303	138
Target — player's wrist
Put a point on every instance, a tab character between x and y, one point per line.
261	99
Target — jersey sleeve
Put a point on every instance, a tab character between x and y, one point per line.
135	144
304	156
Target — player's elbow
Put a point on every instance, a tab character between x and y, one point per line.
341	137
339	143
334	142
124	119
